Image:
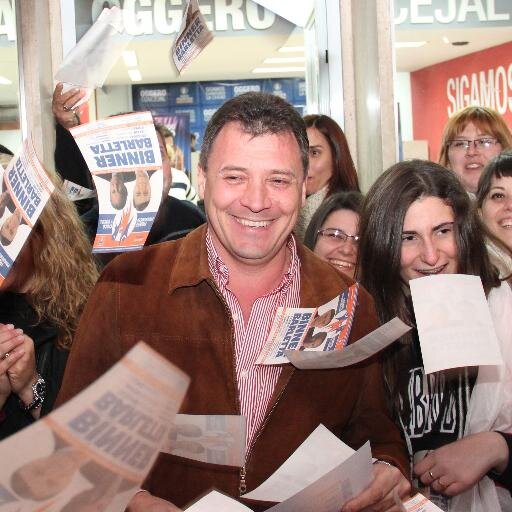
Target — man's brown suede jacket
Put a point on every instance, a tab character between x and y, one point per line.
166	296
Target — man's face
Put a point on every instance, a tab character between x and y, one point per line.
253	190
142	189
10	226
117	197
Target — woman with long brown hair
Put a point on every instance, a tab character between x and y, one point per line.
418	221
331	168
41	301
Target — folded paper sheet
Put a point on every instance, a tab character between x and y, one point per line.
454	323
354	353
91	59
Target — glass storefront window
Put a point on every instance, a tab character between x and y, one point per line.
449	55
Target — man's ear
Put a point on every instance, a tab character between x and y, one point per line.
201	181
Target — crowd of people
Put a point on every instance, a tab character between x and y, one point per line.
284	225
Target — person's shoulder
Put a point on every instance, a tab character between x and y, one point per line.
159	258
136	267
178	206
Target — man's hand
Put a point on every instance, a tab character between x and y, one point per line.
146	502
379	496
63	105
457	466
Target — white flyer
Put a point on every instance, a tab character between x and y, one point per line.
215	501
320	453
331	491
354	353
454	323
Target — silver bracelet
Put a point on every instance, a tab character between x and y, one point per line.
378	461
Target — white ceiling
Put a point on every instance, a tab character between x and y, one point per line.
412	59
235	58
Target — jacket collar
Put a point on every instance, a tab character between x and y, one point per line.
192	267
191	261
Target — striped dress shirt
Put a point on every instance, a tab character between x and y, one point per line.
255	383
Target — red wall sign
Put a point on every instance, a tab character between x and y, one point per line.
482	78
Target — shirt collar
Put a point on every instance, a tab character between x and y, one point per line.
220	271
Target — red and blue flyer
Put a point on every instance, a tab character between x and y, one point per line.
123	156
25	191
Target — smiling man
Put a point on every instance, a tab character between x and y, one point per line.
207	302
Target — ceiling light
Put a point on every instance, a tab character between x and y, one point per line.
446	40
4	81
135	75
130	58
283	60
409	44
284	69
291	49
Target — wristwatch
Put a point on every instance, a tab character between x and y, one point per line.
39	391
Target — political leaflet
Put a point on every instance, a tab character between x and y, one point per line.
215	439
324	328
76	192
123	156
418	503
94	451
192	37
25	191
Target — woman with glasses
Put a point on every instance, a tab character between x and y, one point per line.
333	231
331	168
471	138
494	201
418	221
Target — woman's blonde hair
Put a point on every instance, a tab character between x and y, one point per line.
485	119
63	270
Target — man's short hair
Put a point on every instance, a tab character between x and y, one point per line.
258	113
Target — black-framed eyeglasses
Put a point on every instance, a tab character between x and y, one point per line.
481	143
335	234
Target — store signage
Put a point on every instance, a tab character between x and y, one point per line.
490	87
155	18
414	14
482	78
